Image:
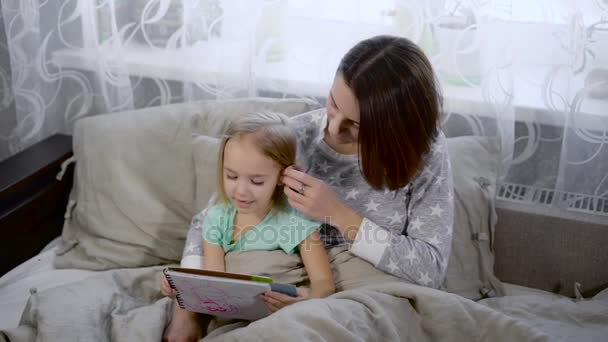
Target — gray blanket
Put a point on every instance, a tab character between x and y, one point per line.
125	305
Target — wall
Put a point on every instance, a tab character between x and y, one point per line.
7	105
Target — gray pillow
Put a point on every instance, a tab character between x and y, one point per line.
205	152
470	270
133	189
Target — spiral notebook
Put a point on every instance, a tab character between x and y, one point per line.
223	294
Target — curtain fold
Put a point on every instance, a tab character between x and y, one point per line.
531	73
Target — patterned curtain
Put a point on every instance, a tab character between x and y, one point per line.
532	73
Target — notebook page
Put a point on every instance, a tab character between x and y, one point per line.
224	297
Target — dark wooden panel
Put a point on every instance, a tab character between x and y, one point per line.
32	201
36	161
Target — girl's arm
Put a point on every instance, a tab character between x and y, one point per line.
214	257
317	266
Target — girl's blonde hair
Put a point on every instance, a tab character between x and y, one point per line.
271	135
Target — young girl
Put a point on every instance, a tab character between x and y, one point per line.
252	212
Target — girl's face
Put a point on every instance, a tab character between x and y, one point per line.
250	178
342	130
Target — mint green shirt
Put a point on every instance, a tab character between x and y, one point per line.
281	229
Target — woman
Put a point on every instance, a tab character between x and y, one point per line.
377	172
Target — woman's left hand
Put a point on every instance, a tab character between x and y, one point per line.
275	301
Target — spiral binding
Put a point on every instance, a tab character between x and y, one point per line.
180	301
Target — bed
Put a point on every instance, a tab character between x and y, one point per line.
513	275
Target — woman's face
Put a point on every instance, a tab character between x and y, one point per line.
342	130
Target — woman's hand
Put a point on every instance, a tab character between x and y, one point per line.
309	195
165	288
183	327
313	198
275	301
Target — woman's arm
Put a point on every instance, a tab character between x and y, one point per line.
192	257
184	325
317	266
421	256
214	257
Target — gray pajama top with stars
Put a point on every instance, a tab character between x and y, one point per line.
407	232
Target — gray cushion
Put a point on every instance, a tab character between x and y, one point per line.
475	168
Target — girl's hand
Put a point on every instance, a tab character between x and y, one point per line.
275	301
165	288
313	198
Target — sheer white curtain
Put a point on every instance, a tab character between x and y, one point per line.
532	73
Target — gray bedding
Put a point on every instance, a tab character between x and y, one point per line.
125	305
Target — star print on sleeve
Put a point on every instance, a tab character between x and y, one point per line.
392	265
336	180
317	118
372	206
192	261
191	247
192	256
427	170
411	256
303	137
396	218
425	279
352	194
434	240
416	224
324	166
193	251
436	210
438	148
420	252
194	239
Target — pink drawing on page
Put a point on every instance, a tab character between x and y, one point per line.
217	301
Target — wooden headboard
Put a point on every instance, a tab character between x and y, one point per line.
32	200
